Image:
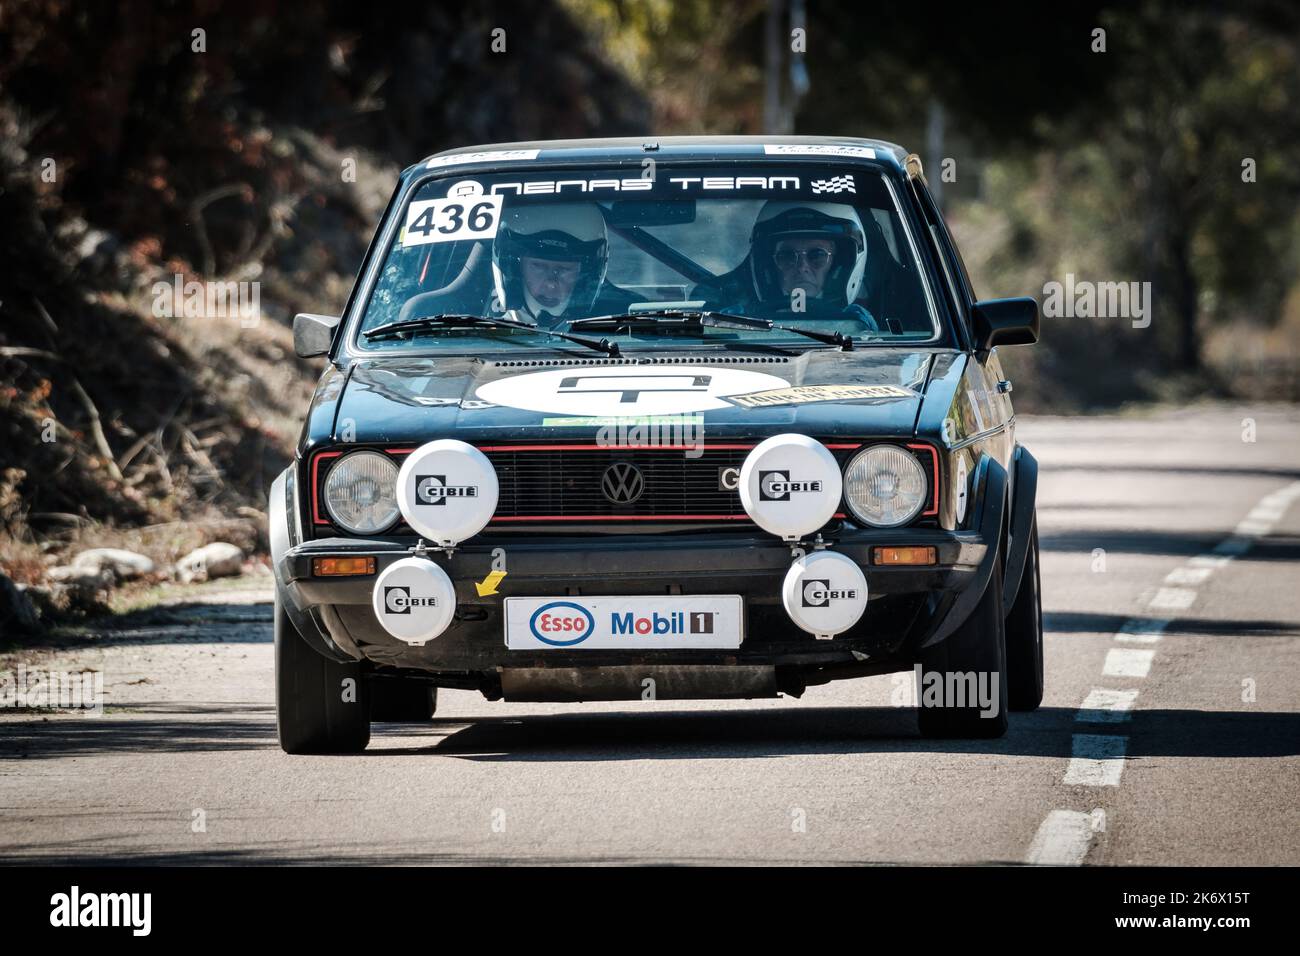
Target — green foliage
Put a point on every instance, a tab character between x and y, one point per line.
1199	93
699	61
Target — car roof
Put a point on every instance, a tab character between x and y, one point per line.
684	148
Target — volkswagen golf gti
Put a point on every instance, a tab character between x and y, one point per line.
676	418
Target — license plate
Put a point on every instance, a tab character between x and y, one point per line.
624	623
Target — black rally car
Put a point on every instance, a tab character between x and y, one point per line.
682	418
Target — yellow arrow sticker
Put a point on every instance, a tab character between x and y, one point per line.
489	584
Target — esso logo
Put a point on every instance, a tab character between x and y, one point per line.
562	624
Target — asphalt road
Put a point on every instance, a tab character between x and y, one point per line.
1170	733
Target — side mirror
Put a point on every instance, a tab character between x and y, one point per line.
313	334
1005	322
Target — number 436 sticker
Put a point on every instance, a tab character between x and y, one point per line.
447	220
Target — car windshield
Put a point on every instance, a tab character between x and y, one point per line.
822	248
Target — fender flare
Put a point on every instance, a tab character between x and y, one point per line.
991	508
1025	494
280	533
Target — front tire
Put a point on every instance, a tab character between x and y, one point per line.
1025	635
978	647
321	707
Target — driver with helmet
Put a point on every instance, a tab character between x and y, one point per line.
817	248
549	264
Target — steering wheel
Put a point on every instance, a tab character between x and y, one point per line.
826	313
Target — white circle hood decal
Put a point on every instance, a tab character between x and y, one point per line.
625	391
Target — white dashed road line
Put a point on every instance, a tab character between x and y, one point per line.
1103	706
1127	662
1188	575
1236	545
1097	760
1173	599
1142	630
1064	837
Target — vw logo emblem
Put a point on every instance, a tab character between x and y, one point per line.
622	483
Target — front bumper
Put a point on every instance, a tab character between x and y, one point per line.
906	606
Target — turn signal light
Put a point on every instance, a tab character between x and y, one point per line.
924	555
342	567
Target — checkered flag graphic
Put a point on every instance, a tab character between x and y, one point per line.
836	184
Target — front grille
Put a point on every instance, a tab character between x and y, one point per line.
557	483
566	483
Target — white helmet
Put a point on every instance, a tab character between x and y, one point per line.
563	232
800	219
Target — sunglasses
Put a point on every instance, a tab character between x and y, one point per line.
789	258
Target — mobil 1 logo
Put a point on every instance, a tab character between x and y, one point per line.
701	622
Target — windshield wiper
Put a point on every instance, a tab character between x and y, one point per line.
658	317
451	320
709	319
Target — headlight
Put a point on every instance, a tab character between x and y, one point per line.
361	492
884	486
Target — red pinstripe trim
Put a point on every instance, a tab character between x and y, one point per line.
605	447
705	445
315	485
934	483
838	514
623	518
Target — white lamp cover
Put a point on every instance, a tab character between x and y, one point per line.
414	600
825	593
447	491
790	485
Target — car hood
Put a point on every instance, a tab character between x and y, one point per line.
869	391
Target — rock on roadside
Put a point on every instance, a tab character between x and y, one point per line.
125	565
217	560
87	579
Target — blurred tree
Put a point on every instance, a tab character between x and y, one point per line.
1181	96
699	61
1204	132
152	124
996	67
